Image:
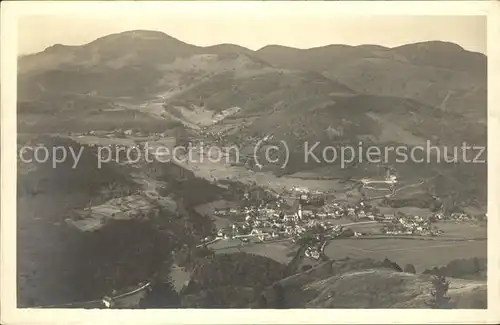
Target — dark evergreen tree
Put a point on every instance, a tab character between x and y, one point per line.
439	298
410	268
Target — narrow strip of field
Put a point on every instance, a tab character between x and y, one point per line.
422	254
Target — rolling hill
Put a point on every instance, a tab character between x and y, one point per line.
347	283
149	68
439	74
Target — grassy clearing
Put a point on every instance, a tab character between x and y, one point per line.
464	230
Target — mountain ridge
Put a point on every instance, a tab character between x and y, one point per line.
263	52
163	34
146	50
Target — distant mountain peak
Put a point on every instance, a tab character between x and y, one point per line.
274	47
139	33
57	48
144	32
434	45
135	36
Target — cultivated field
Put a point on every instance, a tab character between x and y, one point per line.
423	254
280	251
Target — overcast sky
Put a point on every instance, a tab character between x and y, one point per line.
257	29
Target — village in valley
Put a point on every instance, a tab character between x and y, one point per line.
314	219
303	217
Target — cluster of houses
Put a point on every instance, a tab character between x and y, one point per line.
225	113
115	146
271	223
314	216
407	225
457	217
356	212
360	211
120	132
276	220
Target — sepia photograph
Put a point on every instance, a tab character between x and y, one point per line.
209	157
